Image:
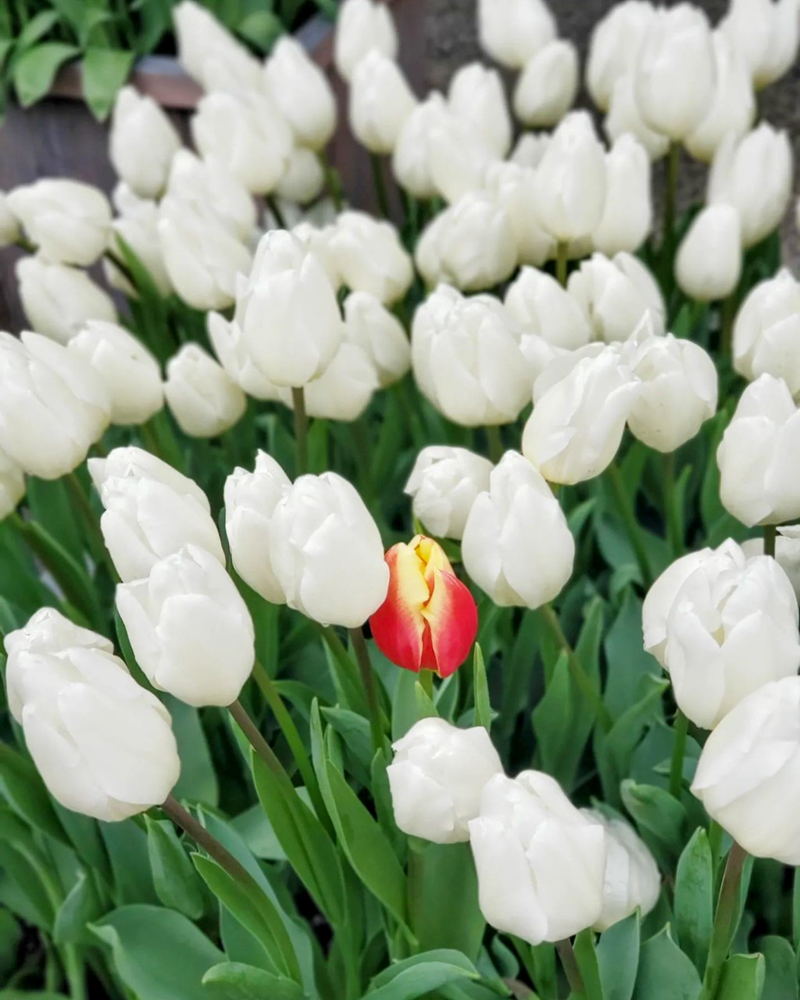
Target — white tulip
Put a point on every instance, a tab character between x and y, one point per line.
130	373
317	239
68	221
754	175
709	260
547	87
766	333
380	102
370	257
787	552
616	295
512	31
9	223
201	396
661	597
304	179
210	54
476	95
233	353
142	143
766	36
443	486
137	227
530	149
513	188
614	47
411	159
436	778
380	334
624	117
758	484
748	772
346	387
541	863
628	211
517	545
58	300
458	157
210	185
302	93
12	485
466	359
362	26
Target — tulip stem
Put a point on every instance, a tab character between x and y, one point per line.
495	439
562	255
579	675
671	190
426	682
672	520
629	518
725	920
570	964
380	184
333	180
300	430
277	214
770	539
255	739
681	731
368	679
727	316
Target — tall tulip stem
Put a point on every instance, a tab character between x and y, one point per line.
625	505
380	184
562	253
183	818
724	920
495	440
333	180
770	539
368	680
275	211
255	739
300	430
570	965
672	520
681	731
727	317
671	189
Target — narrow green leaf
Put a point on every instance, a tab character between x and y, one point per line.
234	981
586	957
781	980
483	705
104	72
414	977
443	899
694	898
174	878
618	958
81	907
25	791
35	70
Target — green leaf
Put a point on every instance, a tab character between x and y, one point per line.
198	780
742	978
127	851
665	973
618	958
443	905
10	937
261	28
628	661
80	908
657	814
104	72
483	705
694	898
234	981
35	70
419	975
586	957
25	791
36	28
174	878
781	979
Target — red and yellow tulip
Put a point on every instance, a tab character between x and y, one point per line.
429	618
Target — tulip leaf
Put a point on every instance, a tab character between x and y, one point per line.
483	705
126	846
104	72
198	780
81	907
422	974
25	791
781	981
235	981
174	878
586	957
443	903
158	953
425	706
659	817
665	973
35	70
629	664
618	958
742	978
694	898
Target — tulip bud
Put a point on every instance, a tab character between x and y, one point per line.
444	484
411	159
632	880
787	552
370	257
466	359
616	295
572	180
200	394
304	178
142	143
471	244
624	116
316	238
547	87
628	211
476	96
436	779
189	628
53	406
233	354
614	47
151	511
129	372
9	224
302	93
458	157
429	619
754	175
517	546
362	26
766	36
346	387
137	227
766	334
246	134
757	480
378	333
513	188
512	31
579	415
68	221
103	745
675	72
201	256
661	597
380	102
540	862
745	777
709	260
530	149
59	300
208	185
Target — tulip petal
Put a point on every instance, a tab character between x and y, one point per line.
398	625
451	617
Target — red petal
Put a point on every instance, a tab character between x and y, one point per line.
452	617
398	625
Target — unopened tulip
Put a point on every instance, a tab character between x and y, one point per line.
370	325
517	545
302	93
616	295
436	778
58	300
233	353
757	480
709	260
466	359
68	221
346	387
137	228
766	333
632	880
201	256
209	185
512	31
200	394
429	619
53	407
129	371
471	245
458	157
142	143
304	179
370	257
675	71
541	863
380	102
411	159
661	598
443	485
189	628
548	85
787	552
747	773
754	175
578	420
103	745
530	148
476	96
624	117
614	47
316	238
247	134
571	180
362	26
513	188
734	105
628	211
210	54
151	511
9	223
765	33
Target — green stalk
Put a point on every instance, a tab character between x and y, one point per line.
672	521
83	509
770	539
681	730
380	184
570	964
256	741
333	180
631	524
277	214
300	430
728	315
671	190
562	250
368	680
495	439
425	678
724	921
